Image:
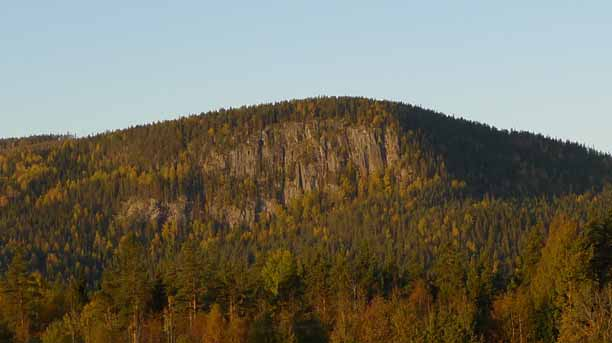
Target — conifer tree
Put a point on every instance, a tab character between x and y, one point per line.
189	279
128	285
20	295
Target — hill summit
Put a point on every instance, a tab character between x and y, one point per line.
315	220
269	154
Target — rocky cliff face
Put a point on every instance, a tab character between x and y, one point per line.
289	159
250	160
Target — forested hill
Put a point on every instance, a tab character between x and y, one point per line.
274	220
41	141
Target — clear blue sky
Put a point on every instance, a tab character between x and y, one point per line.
87	66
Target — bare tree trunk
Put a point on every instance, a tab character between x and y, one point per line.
136	325
521	328
192	311
23	320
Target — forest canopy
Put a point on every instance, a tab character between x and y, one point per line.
317	220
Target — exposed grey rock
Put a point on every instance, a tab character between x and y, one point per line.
289	159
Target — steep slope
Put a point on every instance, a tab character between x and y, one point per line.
240	167
272	153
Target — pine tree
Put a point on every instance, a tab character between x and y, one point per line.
189	280
128	285
19	294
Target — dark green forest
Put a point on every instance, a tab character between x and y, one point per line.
317	220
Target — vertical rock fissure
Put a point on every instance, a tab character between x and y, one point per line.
383	148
